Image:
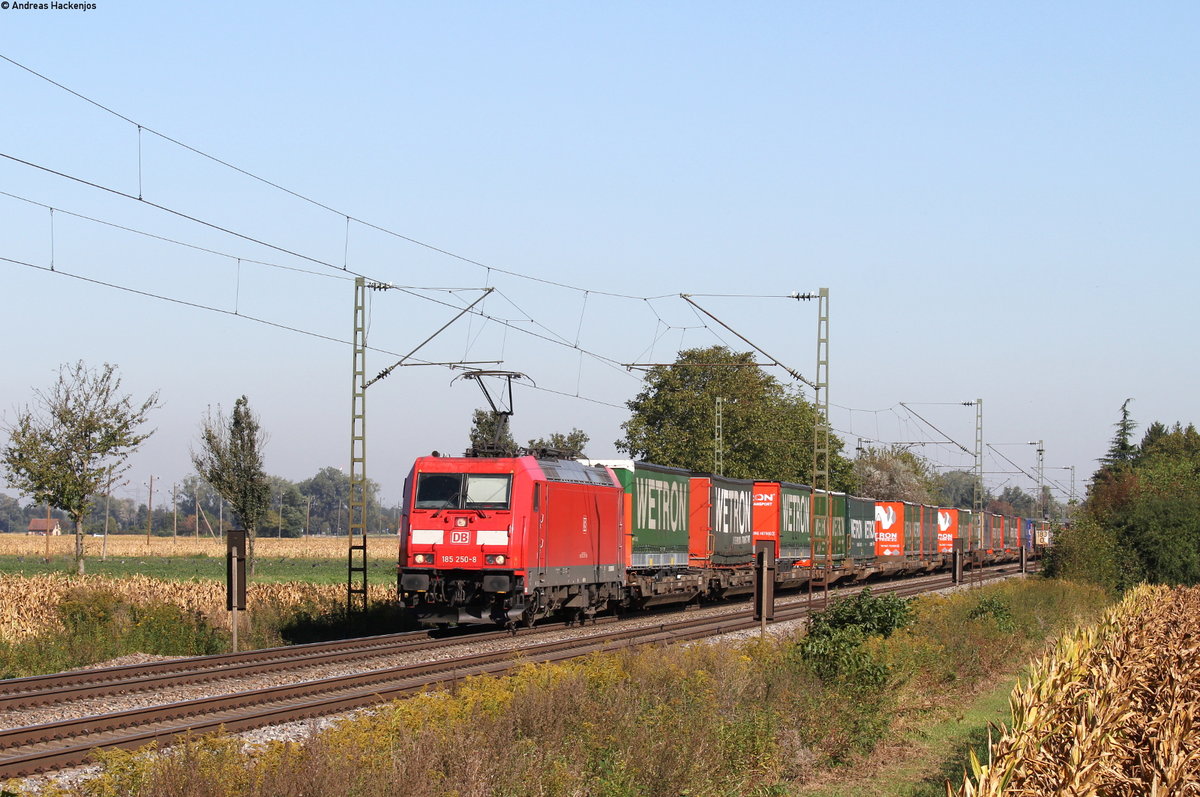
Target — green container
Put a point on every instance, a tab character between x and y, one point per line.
795	522
820	525
912	530
929	527
860	516
660	516
729	520
968	531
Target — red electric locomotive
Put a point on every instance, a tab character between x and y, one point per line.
510	540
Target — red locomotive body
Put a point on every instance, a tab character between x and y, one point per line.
507	540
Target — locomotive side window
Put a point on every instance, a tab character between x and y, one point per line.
487	492
439	490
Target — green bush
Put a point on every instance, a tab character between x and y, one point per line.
833	646
838	655
994	607
871	614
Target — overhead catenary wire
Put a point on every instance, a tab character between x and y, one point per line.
180	214
309	333
561	340
551	335
304	198
794	374
505	323
348	217
931	426
1010	462
209	308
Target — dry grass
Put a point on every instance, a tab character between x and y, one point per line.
29	604
136	545
1114	710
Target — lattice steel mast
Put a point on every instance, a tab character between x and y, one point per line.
821	464
356	504
356	573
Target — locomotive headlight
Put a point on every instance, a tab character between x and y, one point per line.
423	558
495	559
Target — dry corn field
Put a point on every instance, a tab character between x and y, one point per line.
28	603
136	545
1114	710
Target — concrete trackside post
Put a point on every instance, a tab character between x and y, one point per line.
764	585
956	563
235	578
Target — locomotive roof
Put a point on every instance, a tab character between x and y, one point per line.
568	470
629	464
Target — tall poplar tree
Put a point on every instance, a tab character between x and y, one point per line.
231	461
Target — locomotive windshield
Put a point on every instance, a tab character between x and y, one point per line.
463	491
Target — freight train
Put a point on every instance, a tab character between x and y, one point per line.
513	540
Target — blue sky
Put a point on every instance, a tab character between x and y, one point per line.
1001	199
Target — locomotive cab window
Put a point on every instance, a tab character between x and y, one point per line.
463	491
439	490
487	492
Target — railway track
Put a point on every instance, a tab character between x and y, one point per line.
33	749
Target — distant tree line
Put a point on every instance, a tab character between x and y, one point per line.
896	473
1141	519
316	505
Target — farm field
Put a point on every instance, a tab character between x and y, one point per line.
316	560
1111	711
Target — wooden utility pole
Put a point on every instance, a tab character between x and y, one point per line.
174	512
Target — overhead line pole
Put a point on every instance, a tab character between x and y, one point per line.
356	563
977	488
356	569
821	465
821	428
719	440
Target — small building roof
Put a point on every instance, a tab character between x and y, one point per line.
42	524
